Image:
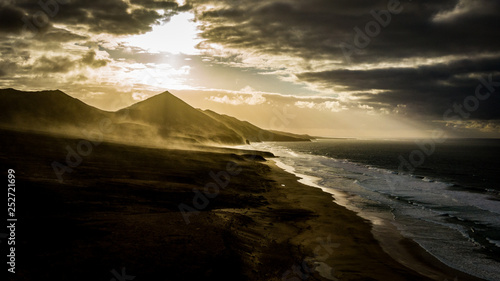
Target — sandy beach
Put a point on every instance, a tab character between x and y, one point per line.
119	211
250	140
354	252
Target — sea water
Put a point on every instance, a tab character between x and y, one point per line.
449	203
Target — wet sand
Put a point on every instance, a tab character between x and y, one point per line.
119	210
356	254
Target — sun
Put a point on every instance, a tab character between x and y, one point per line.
179	35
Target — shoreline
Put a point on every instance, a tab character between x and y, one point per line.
404	251
120	209
354	252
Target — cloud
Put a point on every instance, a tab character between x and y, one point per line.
11	19
483	126
89	59
305	104
423	61
239	99
7	66
351	121
424	91
314	29
428	36
466	8
333	106
111	16
60	35
53	64
63	64
157	4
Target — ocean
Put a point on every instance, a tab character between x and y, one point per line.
444	196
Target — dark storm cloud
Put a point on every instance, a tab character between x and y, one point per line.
425	90
305	29
110	16
156	4
10	19
426	29
316	28
403	78
60	35
39	24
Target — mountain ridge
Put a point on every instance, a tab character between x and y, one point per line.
163	117
253	133
46	108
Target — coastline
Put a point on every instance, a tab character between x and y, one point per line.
405	258
119	209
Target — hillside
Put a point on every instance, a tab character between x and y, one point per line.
161	118
254	133
46	110
175	119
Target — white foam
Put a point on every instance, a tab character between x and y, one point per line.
304	179
494	242
421	206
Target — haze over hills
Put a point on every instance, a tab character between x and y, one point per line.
163	118
253	133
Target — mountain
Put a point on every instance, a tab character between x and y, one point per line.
253	133
175	119
53	110
163	118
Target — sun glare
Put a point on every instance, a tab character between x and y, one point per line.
179	35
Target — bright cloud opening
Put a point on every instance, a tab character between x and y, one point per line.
179	35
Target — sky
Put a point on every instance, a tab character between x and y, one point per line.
340	68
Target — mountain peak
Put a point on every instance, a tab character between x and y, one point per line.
175	118
163	115
45	109
163	98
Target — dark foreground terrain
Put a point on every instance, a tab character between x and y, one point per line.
116	215
119	208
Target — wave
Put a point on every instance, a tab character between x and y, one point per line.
460	228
